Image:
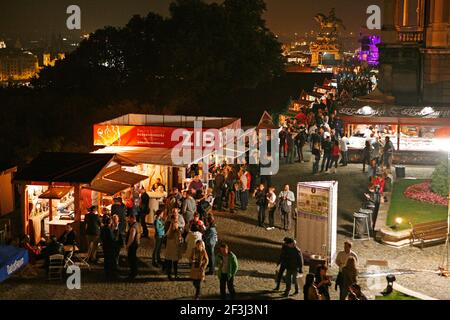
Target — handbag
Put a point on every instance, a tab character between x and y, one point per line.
284	207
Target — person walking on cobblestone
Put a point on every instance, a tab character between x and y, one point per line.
281	263
132	244
159	236
244	183
261	203
341	261
316	155
327	157
199	261
227	264
210	238
286	199
293	261
272	206
92	231
173	246
144	210
349	277
118	239
107	239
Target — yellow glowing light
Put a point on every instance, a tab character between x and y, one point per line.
398	221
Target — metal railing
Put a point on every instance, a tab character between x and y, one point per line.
411	35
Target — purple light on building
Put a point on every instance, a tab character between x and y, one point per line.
369	49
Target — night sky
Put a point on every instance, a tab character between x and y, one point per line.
284	17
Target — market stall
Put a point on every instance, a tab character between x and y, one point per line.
411	129
149	141
56	189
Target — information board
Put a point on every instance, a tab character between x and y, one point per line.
317	218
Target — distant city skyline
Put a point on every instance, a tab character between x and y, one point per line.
37	19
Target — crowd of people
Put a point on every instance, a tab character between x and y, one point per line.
317	285
320	129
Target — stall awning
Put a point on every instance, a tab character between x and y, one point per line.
55	193
107	187
157	156
126	177
64	167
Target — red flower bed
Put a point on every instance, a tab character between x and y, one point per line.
422	192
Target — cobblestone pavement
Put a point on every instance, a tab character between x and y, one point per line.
257	250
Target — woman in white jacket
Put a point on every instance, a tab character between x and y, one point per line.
191	239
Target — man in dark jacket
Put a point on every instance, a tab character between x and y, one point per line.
283	135
68	237
300	141
290	147
281	262
107	238
120	209
326	147
293	261
54	247
144	210
219	182
92	222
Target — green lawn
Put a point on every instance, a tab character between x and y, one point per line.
395	295
411	210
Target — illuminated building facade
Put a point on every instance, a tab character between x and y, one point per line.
415	51
17	65
49	62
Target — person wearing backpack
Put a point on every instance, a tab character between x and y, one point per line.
286	199
132	244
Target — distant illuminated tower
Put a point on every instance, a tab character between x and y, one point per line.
369	51
47	60
326	46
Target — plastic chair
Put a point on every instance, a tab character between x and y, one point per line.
56	267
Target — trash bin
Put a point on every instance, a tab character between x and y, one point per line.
314	262
361	222
400	172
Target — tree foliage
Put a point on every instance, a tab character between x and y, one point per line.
200	51
439	179
203	59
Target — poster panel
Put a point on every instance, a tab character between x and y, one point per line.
317	218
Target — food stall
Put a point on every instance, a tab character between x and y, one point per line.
148	141
56	189
410	128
